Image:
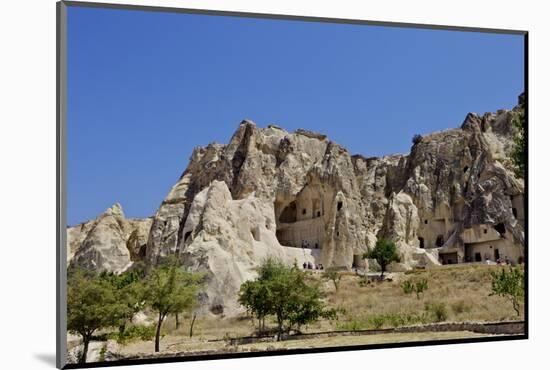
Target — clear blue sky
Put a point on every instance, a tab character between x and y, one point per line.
145	88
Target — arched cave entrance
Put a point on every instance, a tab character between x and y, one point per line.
300	222
289	213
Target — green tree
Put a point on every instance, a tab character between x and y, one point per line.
255	297
332	274
509	284
128	288
384	252
170	289
283	292
91	305
519	152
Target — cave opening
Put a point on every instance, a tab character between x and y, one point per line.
500	228
186	236
299	223
339	206
289	213
421	240
439	241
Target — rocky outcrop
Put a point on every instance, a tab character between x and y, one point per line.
302	198
109	243
272	192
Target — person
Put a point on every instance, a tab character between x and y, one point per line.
309	266
321	266
305	265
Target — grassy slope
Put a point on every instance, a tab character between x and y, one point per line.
463	290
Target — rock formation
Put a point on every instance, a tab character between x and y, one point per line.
109	243
300	197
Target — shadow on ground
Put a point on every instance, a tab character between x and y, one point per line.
47	358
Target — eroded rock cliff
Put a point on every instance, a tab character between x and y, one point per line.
111	242
302	198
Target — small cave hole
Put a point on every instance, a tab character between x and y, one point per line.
421	240
500	228
439	241
466	168
187	235
339	206
304	211
255	234
425	222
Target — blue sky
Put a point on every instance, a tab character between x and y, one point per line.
145	88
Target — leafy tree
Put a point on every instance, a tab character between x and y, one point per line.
416	139
283	292
255	297
169	290
384	252
509	284
91	305
519	152
332	274
129	289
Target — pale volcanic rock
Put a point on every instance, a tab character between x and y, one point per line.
301	197
109	243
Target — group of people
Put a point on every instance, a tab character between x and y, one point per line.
305	244
312	266
505	261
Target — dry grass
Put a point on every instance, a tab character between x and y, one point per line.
462	291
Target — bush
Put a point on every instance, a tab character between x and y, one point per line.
437	310
376	322
135	332
407	287
364	281
460	307
353	325
420	287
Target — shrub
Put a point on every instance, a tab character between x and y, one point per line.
364	281
353	325
437	310
420	287
407	287
376	322
460	307
135	332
